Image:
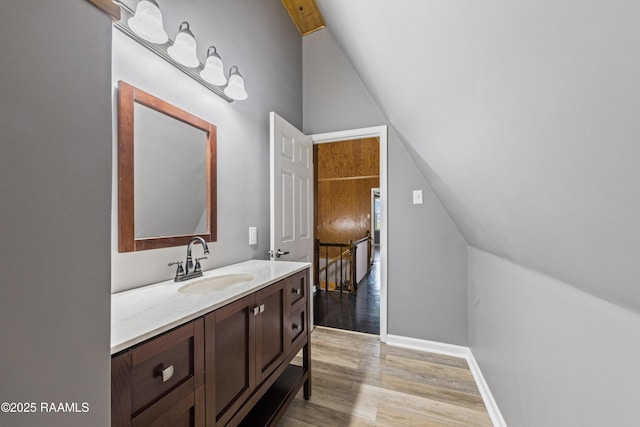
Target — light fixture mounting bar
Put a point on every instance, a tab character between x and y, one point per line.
161	51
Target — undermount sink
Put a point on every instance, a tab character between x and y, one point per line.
214	284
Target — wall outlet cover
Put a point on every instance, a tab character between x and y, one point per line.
253	235
417	197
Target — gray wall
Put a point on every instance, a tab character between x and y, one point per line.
427	279
524	117
551	354
427	258
55	184
527	113
259	37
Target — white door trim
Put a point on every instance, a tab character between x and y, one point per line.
371	132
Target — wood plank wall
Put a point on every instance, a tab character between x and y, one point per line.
347	171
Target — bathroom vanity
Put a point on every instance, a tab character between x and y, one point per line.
213	351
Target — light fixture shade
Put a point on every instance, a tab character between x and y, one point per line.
213	71
235	88
183	49
147	22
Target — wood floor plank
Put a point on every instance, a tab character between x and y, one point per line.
358	401
427	391
431	380
313	414
359	381
428	357
435	410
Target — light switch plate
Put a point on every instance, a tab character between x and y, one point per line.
253	235
417	197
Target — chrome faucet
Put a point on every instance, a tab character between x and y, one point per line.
190	271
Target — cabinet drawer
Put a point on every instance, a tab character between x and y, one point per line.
297	326
176	409
161	365
296	288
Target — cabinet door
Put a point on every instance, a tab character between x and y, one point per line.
272	343
230	359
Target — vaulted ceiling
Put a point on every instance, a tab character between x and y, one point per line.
525	118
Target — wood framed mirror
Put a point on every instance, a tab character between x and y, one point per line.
166	173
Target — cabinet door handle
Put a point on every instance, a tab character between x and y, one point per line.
295	327
296	291
258	309
167	374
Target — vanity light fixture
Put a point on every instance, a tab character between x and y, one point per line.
145	27
213	71
235	88
183	49
147	22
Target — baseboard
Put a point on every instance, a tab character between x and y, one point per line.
455	351
430	346
485	392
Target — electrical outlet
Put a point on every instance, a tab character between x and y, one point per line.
253	235
417	197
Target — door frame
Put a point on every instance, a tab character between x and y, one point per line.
371	132
373	213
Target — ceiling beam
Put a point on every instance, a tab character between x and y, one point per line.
305	14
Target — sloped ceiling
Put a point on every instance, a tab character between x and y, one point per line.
525	118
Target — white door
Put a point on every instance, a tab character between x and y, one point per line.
291	193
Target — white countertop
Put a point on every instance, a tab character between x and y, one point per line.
142	313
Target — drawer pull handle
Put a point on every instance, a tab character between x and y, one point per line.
295	327
295	291
167	374
261	308
256	310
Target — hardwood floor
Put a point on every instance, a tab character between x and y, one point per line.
360	312
358	381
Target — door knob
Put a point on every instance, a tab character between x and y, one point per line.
279	253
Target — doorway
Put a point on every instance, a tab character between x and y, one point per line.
378	295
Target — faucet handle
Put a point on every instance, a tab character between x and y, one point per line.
179	270
198	268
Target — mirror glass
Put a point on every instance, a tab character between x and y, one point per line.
170	175
166	173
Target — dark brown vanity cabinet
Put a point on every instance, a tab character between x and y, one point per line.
245	342
234	364
161	381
